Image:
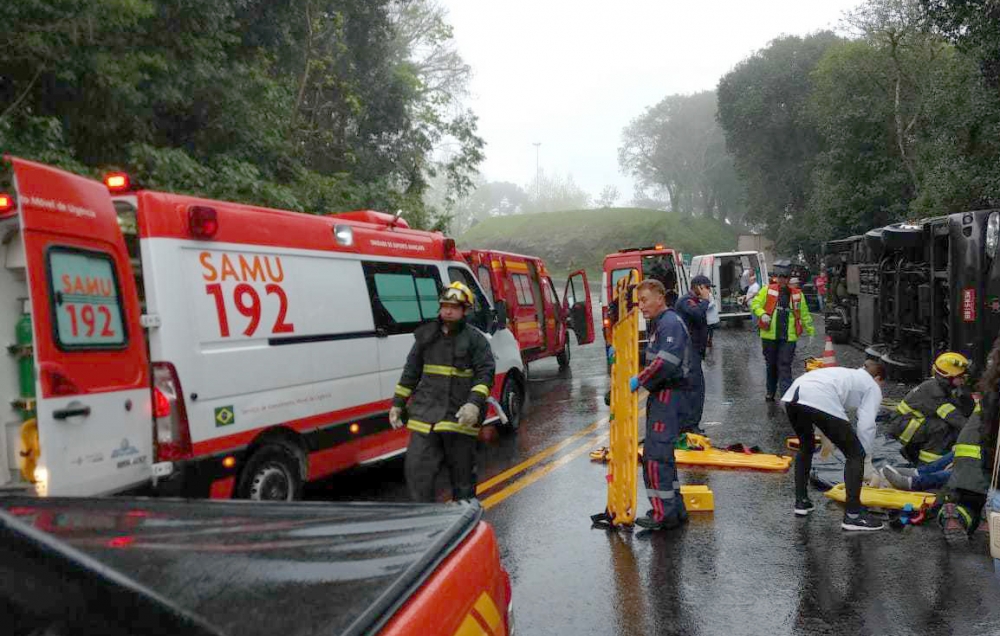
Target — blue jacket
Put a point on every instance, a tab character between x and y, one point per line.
668	354
694	311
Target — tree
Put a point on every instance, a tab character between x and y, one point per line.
678	146
555	193
608	197
762	107
974	26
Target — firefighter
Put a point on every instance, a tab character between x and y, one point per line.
972	471
929	418
669	356
693	308
782	317
447	378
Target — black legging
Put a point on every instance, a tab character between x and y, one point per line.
841	433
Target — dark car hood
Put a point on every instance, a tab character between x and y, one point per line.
262	568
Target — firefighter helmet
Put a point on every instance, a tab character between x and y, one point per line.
951	365
458	294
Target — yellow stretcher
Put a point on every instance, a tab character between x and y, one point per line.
884	497
715	458
622	458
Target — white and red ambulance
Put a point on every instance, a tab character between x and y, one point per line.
218	349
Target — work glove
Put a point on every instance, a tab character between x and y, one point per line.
825	446
765	318
633	383
396	416
870	472
468	415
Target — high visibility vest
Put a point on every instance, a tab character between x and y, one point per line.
771	304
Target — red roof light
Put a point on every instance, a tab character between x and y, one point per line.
203	222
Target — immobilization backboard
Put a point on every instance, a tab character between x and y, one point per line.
623	455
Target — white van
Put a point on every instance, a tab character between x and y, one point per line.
227	349
729	272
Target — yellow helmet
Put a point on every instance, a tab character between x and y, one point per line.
457	293
951	365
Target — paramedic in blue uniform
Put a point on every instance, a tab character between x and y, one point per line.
693	308
668	356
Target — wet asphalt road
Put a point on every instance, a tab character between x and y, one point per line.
751	567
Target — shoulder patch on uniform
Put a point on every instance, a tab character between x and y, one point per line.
670	338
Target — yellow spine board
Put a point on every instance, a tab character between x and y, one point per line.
623	455
884	497
714	457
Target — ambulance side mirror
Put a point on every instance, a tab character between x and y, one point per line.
500	316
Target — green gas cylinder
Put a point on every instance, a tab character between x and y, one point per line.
25	361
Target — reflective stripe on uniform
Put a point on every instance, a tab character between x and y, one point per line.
403	392
481	389
455	427
965	515
972	451
440	369
669	357
928	457
660	494
914	425
420	427
945	410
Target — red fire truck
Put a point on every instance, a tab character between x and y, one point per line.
535	316
220	349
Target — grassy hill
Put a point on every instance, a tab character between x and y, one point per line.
581	238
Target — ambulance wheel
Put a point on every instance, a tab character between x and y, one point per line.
272	474
563	357
512	401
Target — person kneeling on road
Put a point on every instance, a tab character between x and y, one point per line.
929	418
669	356
447	378
820	399
965	494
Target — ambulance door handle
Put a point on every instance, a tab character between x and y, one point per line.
75	409
381	333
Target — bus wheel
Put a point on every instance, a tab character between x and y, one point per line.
563	356
512	401
272	474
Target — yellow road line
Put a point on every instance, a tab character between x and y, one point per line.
534	459
523	483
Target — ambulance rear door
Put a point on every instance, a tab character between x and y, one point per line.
578	307
91	366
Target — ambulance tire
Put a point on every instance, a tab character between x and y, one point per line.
512	401
272	474
563	357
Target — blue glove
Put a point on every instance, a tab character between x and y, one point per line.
633	383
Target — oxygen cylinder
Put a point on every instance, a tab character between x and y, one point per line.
25	361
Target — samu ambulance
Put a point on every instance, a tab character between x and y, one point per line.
218	349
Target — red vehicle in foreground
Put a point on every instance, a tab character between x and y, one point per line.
534	314
122	566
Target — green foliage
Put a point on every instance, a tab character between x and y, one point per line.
833	137
312	105
580	239
974	26
678	147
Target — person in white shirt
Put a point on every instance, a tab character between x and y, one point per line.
820	399
752	289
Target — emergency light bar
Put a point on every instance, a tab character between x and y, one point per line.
117	182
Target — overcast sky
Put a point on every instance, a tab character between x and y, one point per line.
572	74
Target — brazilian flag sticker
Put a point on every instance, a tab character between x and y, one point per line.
224	416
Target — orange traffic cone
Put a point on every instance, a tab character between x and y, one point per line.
829	355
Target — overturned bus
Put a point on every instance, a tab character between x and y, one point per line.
908	291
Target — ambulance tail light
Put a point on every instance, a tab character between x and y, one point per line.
170	422
203	222
117	182
6	205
